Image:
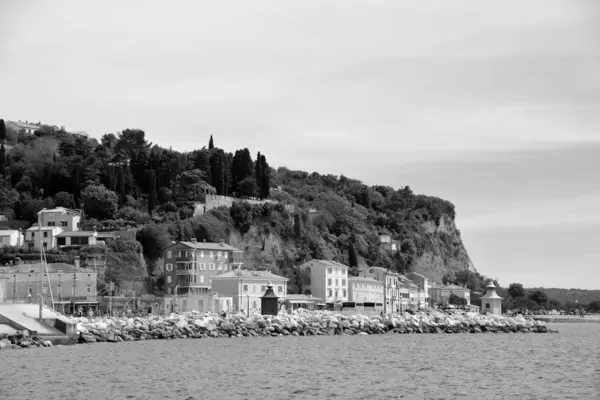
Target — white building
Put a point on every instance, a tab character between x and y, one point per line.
11	237
68	220
46	236
325	279
365	290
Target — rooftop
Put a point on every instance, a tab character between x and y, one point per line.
63	210
209	246
364	279
387	271
243	273
303	298
52	268
24	125
77	233
8	232
35	227
450	287
327	263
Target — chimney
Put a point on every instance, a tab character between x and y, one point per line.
193	240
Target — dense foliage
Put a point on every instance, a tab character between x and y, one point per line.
124	180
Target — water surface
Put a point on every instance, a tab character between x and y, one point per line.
455	366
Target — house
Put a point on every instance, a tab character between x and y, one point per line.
67	219
440	294
365	290
46	236
18	126
423	284
325	279
295	301
76	238
247	287
392	293
11	237
190	266
68	284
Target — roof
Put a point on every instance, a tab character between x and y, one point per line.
35	227
23	125
8	232
387	271
242	273
364	279
207	246
449	287
326	263
77	233
59	210
52	268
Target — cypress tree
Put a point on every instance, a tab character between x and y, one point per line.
152	199
211	143
258	171
352	256
265	182
2	131
2	160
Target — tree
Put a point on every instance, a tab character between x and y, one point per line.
2	160
247	187
516	290
211	143
64	199
191	186
2	131
99	202
449	277
538	296
153	238
152	195
352	256
457	300
265	178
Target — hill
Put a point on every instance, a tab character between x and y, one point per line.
124	180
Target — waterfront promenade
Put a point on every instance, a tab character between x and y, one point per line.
594	318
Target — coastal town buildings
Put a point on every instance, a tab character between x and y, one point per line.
423	299
394	291
325	279
68	220
19	126
58	227
440	294
491	303
363	289
37	237
68	284
11	237
247	287
190	265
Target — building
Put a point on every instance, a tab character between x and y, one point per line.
491	303
46	236
202	303
409	294
423	283
247	287
11	237
76	238
18	126
295	301
325	279
440	294
3	289
68	220
68	283
395	293
365	290
190	266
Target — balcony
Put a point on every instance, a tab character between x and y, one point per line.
184	258
184	272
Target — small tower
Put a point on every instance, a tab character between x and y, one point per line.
269	301
491	302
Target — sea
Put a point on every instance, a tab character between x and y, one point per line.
562	366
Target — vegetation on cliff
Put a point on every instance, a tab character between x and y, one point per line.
124	180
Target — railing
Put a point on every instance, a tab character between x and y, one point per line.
184	258
184	272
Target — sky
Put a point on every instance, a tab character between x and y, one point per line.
494	106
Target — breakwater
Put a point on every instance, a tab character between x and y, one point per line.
299	323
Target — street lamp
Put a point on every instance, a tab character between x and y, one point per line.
248	297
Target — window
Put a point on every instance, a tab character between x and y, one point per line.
336	293
89	289
61	241
169	267
45	245
263	288
210	255
329	281
211	267
169	279
194	278
219	266
225	254
279	289
201	253
337	282
78	225
219	254
51	223
64	224
487	305
329	293
344	293
254	304
329	270
245	288
32	235
169	254
201	278
178	253
29	290
202	267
